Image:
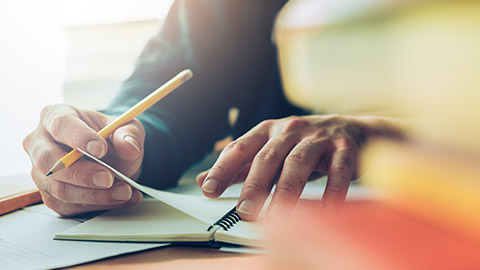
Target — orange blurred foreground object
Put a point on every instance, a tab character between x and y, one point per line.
369	235
431	181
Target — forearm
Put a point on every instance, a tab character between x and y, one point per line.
181	128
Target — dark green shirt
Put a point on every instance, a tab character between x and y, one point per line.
227	44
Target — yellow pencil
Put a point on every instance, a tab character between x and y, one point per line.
128	116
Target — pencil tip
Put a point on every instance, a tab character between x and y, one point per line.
50	172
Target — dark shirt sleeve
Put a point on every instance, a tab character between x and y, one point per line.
223	43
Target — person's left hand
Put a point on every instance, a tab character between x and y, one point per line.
287	152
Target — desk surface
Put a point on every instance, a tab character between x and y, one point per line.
178	257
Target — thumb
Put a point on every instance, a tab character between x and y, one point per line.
128	140
66	126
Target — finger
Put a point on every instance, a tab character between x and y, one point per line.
298	167
242	175
65	126
201	177
44	153
128	140
71	209
261	177
85	173
232	159
340	174
119	193
239	178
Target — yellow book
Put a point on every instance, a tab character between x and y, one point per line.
434	183
410	58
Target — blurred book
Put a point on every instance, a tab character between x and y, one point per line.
416	59
368	236
17	191
434	183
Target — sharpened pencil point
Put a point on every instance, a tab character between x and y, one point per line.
58	166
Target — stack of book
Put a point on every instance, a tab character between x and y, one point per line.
416	59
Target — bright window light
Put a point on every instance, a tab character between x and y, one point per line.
33	59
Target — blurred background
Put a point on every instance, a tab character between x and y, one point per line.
64	51
413	59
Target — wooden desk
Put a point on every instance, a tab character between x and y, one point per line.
178	257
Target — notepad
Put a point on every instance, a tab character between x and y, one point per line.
169	217
155	221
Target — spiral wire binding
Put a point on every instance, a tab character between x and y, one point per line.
227	221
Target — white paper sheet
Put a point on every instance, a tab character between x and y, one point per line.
26	242
199	207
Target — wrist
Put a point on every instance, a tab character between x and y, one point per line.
378	126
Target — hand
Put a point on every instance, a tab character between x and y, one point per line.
85	185
287	152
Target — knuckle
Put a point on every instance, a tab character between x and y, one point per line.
58	190
237	146
343	143
33	175
220	168
59	207
288	188
82	176
335	116
265	124
94	197
268	157
26	142
139	126
45	110
334	119
64	210
334	123
50	202
341	167
298	159
319	142
295	124
202	175
42	159
319	134
58	124
37	179
254	187
336	192
337	189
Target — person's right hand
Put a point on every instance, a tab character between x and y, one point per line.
85	185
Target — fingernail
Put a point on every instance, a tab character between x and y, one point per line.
246	207
95	148
103	179
133	142
210	186
122	193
